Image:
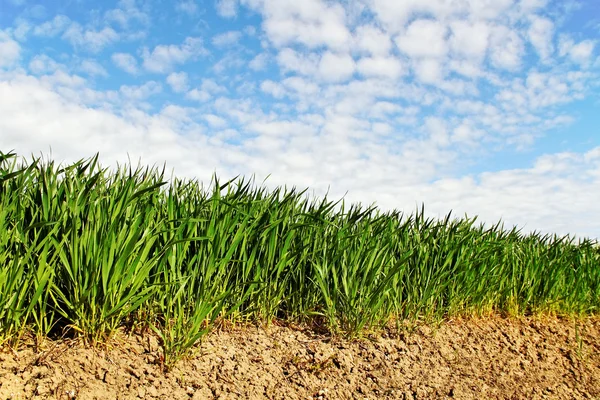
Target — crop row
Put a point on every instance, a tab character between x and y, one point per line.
89	250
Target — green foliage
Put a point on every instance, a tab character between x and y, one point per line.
89	249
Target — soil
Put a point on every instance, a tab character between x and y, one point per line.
491	358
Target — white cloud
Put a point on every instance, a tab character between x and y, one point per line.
42	64
178	81
555	186
215	121
188	7
301	86
372	40
424	38
395	14
226	39
469	40
164	57
90	39
507	48
291	60
74	131
205	92
465	133
273	88
542	90
467	68
428	70
231	60
541	33
227	8
126	62
212	87
259	62
141	92
312	23
384	67
93	68
198	95
558	193
37	11
126	12
580	53
529	6
10	51
437	132
335	67
21	28
60	80
383	109
52	28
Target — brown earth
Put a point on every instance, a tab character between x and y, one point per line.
493	358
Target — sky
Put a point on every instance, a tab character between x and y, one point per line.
489	108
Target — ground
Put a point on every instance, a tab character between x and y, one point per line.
490	358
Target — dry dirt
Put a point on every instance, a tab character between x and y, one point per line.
493	358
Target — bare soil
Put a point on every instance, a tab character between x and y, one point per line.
491	358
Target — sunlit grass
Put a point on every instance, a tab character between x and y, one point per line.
86	250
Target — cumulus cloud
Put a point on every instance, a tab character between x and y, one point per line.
206	91
187	7
312	23
214	121
372	40
385	67
93	68
178	81
42	64
579	53
164	57
291	60
259	62
398	102
424	38
141	92
10	50
428	70
126	62
126	14
227	8
335	67
53	27
541	33
226	38
395	14
90	39
273	88
507	48
469	40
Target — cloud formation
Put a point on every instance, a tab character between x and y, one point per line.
163	58
467	105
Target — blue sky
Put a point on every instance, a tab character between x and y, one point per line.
484	107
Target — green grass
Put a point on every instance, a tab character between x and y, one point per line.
90	250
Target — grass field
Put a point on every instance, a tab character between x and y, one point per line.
89	250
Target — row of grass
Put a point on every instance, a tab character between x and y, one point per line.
90	250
